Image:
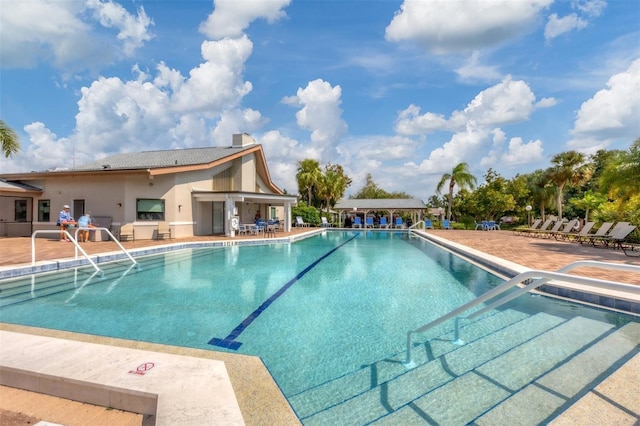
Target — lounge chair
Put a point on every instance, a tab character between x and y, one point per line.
566	227
384	223
399	223
428	224
543	227
357	222
325	223
369	222
522	229
615	237
604	228
490	225
163	231
573	235
545	233
300	222
127	232
446	224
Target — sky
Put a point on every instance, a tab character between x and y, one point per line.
401	90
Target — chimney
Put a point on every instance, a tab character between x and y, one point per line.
242	139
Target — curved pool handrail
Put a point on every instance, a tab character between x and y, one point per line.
542	278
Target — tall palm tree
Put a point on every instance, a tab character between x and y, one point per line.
569	168
621	177
460	176
10	140
542	191
308	176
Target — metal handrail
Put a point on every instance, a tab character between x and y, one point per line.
543	277
110	235
75	243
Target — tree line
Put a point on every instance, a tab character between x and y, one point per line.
601	187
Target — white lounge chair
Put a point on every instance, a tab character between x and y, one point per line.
300	222
325	223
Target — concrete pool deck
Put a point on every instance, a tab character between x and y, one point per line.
259	398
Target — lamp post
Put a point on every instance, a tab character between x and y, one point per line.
528	209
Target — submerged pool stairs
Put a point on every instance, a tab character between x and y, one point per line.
513	367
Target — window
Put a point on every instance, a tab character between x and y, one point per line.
44	210
147	209
21	210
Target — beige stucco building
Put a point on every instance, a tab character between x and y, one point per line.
196	191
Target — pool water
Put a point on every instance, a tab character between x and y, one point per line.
319	312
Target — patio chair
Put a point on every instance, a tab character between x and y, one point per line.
566	227
325	223
399	223
163	231
617	234
570	236
357	222
127	232
369	222
428	224
446	224
384	223
522	229
604	228
300	222
543	227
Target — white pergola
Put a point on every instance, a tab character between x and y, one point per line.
391	205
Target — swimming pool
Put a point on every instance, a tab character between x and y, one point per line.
328	315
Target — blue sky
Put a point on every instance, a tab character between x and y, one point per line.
403	90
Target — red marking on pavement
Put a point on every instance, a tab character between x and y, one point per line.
142	368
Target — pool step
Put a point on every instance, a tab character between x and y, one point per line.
361	381
472	382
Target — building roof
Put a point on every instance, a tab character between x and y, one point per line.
164	158
380	204
17	187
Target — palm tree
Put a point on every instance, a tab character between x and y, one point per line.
460	176
10	140
541	191
569	168
332	185
308	176
621	177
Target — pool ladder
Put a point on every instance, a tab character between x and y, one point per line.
75	243
526	279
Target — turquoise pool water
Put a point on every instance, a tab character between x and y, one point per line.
316	311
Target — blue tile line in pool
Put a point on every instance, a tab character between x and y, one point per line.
230	341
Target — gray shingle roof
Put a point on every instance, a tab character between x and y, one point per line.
379	204
165	158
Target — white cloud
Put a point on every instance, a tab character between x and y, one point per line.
612	113
462	26
61	33
506	102
320	113
558	26
133	30
517	154
231	17
474	71
589	9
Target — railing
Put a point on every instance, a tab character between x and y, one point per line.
50	231
542	278
110	235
